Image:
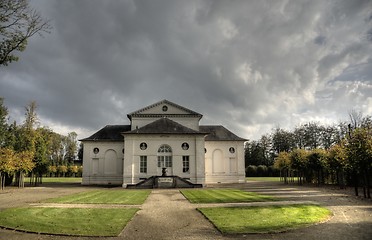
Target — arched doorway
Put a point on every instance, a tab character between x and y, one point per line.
217	161
165	159
110	166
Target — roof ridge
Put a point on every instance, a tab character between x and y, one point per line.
166	126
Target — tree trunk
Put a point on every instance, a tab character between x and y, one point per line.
1	182
366	183
356	184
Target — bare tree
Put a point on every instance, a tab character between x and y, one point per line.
355	118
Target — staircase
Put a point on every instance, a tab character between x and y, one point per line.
164	182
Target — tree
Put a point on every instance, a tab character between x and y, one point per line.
31	119
337	162
18	22
41	154
359	155
73	170
62	170
298	162
317	159
313	132
3	123
52	170
23	164
81	152
6	164
282	140
56	148
254	153
71	146
330	136
282	162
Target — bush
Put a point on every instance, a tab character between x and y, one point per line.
251	171
62	170
73	170
273	172
261	171
52	170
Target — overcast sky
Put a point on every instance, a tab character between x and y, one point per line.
248	65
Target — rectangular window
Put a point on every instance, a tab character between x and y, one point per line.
168	161
185	164
143	164
164	161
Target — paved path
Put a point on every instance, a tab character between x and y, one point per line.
166	214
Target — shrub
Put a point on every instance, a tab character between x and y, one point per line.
73	170
261	171
251	171
52	170
272	171
62	170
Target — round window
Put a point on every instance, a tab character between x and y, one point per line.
165	108
95	150
143	146
232	150
185	146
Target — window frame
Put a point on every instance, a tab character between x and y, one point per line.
186	164
143	164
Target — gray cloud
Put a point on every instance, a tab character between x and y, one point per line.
249	65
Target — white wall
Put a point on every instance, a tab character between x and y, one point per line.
222	166
131	172
105	167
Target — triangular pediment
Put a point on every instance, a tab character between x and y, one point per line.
164	107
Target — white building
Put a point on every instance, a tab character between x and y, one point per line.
163	135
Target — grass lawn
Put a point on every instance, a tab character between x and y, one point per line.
264	219
265	179
268	179
58	180
70	221
107	196
223	196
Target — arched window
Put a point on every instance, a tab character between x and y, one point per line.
165	149
165	156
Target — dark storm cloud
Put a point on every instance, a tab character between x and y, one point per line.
249	65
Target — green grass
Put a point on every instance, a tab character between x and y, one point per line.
266	219
70	221
223	196
58	180
267	179
107	196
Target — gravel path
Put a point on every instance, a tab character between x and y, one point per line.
166	214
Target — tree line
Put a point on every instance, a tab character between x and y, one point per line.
34	150
313	153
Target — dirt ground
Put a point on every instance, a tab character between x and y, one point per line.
166	214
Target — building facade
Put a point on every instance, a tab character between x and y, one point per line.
163	137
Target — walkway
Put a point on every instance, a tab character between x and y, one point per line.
166	214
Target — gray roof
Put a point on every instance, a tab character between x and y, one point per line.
109	133
164	126
219	133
